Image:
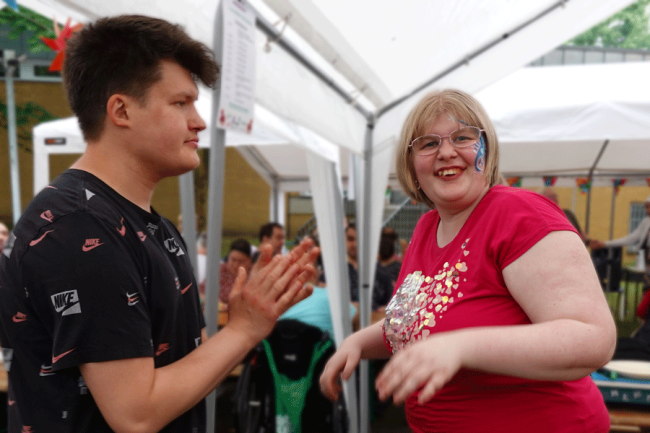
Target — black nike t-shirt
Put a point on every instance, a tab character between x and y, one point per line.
88	276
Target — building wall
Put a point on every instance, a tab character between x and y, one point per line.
48	95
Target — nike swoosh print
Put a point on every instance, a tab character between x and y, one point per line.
186	289
57	358
35	241
86	249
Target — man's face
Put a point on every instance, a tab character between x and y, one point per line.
351	243
277	240
164	139
4	235
236	259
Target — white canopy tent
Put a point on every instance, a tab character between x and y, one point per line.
573	121
473	43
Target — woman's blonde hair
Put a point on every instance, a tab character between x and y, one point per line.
460	105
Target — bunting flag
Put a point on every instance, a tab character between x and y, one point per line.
584	183
647	179
514	181
618	183
550	180
12	4
58	44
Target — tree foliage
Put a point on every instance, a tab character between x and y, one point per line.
28	21
628	28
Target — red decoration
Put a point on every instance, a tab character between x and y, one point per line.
58	44
514	181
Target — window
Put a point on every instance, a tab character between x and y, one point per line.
637	213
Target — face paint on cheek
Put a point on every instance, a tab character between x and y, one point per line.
479	162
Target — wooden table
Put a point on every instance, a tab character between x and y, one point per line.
630	419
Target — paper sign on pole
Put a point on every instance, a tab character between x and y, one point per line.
238	68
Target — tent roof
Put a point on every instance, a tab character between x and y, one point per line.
397	44
555	120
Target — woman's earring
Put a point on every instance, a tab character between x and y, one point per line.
417	184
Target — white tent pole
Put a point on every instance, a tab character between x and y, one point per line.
329	215
365	291
10	64
188	212
215	210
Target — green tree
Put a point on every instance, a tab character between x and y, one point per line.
28	21
626	29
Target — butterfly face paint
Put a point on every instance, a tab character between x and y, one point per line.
479	149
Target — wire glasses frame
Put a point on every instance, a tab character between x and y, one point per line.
460	139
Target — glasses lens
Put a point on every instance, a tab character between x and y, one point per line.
466	136
426	145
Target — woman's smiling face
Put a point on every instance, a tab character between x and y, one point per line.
449	177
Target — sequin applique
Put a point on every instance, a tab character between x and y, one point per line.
420	300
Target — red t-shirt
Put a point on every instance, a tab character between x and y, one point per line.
461	286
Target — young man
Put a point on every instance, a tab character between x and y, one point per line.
271	234
101	326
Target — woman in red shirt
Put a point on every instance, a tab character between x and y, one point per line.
498	317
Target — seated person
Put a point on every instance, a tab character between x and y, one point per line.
315	310
238	256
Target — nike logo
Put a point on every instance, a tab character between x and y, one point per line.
35	241
50	186
91	244
121	231
46	370
163	347
142	236
57	358
47	216
19	317
132	298
186	289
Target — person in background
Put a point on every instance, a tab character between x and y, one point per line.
239	256
638	240
499	317
271	234
550	194
4	235
388	264
100	319
382	288
316	310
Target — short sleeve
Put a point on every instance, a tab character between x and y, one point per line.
520	220
89	289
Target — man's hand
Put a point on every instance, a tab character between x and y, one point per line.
276	283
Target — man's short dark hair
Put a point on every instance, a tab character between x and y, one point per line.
267	230
386	247
123	55
241	245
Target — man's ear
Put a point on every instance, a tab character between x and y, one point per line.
117	110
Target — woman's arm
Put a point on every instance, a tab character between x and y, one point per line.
572	331
368	343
